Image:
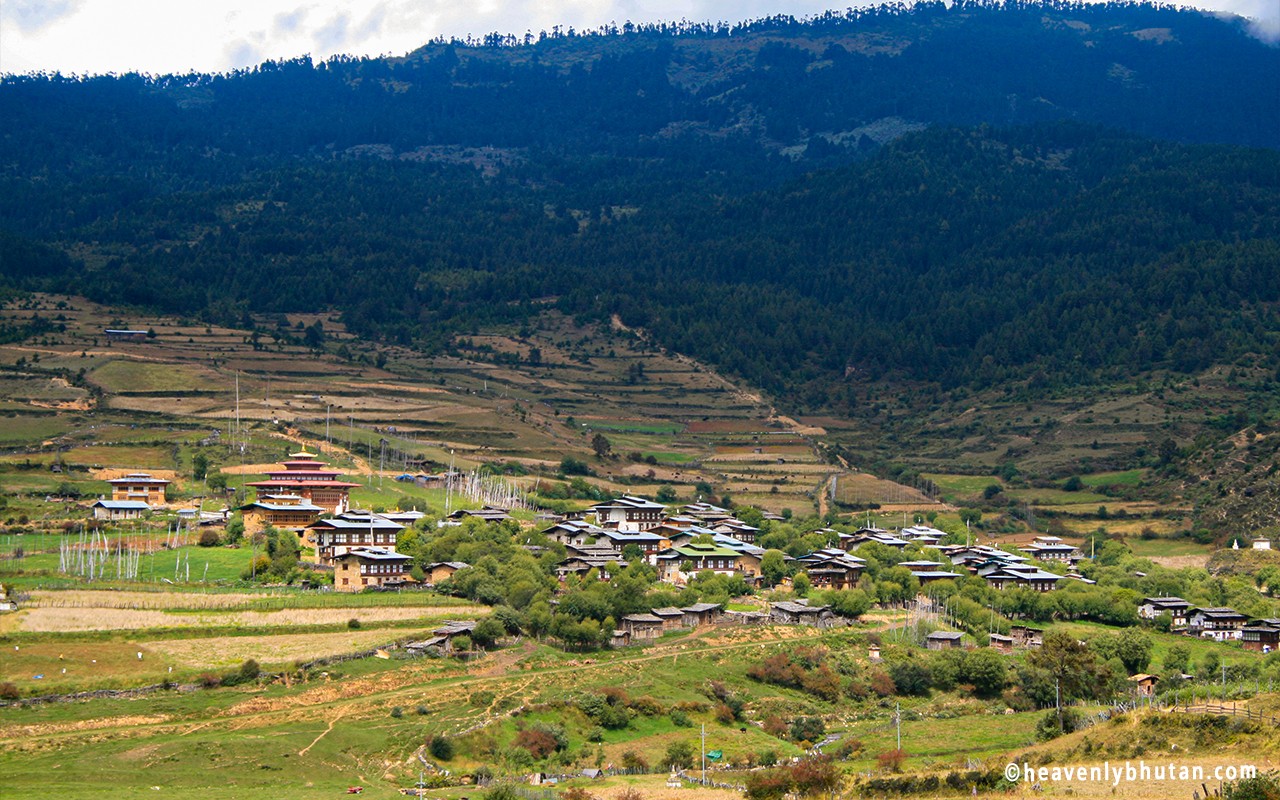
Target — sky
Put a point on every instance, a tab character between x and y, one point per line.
174	36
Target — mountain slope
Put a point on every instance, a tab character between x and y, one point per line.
687	178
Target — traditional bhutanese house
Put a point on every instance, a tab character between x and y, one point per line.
1144	684
702	614
629	513
772	517
1019	575
332	536
442	638
125	335
440	571
944	640
929	571
882	537
832	568
922	535
1051	548
581	565
303	475
785	612
677	523
488	514
405	518
737	529
671	617
650	542
620	638
643	626
749	556
285	511
1024	636
929	576
1261	636
584	558
358	568
573	532
119	509
1221	624
1076	576
597	550
682	536
141	487
677	565
1177	608
978	556
1000	643
706	512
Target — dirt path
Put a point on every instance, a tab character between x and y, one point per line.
324	733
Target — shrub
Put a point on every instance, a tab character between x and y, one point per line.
397	712
423	711
891	761
629	793
645	705
209	538
441	749
353	624
603	713
209	680
250	670
882	684
679	754
632	760
539	743
808	729
8	691
775	726
909	678
502	792
769	784
1049	727
680	719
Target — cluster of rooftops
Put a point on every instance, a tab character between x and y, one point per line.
693	539
1213	622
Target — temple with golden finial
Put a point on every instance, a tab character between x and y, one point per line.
303	475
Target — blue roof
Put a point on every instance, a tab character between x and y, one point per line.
122	505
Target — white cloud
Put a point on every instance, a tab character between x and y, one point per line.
33	15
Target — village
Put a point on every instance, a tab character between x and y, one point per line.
307	498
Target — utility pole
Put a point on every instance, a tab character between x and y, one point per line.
704	754
897	722
1057	693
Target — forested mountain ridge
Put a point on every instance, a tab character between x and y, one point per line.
688	178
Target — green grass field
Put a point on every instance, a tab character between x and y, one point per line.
1131	477
126	375
1146	548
